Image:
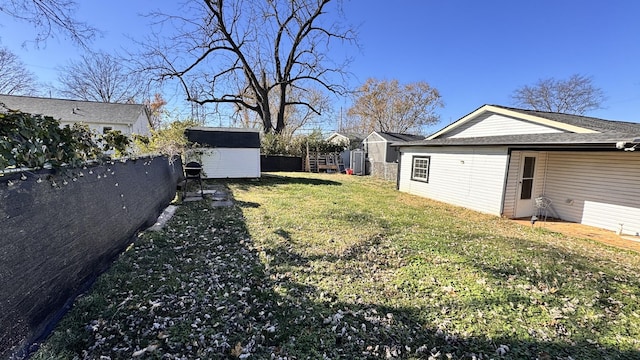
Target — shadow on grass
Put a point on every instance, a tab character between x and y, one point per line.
202	288
272	180
246	204
318	324
363	329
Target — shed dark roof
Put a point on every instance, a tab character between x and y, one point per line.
396	137
224	137
75	110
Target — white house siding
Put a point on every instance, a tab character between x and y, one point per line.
494	125
600	189
220	163
511	188
513	177
141	126
98	128
469	177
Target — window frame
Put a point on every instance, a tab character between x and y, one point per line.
414	158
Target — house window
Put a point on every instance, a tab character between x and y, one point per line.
420	168
106	129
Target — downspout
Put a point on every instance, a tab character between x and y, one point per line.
398	171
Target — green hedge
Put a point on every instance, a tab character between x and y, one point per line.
37	141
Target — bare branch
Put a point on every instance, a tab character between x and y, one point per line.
51	17
575	95
250	54
99	77
15	79
387	106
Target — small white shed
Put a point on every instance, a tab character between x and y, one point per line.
227	152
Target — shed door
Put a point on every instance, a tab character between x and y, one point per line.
526	185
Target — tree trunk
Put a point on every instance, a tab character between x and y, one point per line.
280	125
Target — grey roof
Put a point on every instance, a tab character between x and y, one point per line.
607	134
352	136
75	110
398	137
592	123
555	139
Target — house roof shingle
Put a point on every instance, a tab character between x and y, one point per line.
75	110
592	123
394	137
556	139
352	136
599	132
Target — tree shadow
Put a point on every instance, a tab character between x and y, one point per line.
374	330
378	330
271	180
246	204
233	299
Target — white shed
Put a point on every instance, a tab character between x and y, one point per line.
227	152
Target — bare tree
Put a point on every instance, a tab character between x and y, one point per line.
15	78
50	17
575	95
387	106
99	77
296	118
248	53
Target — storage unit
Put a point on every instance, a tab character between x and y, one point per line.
226	152
357	162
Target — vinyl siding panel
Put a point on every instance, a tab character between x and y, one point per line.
600	189
141	125
494	125
468	177
125	129
511	187
220	163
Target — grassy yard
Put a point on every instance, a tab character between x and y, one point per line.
343	267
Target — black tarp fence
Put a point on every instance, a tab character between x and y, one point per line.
59	231
275	163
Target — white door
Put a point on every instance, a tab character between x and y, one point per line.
525	203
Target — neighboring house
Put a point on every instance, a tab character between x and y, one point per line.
511	162
226	152
99	116
381	155
350	140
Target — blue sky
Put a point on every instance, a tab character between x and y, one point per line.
474	52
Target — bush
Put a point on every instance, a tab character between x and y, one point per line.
277	144
169	140
37	141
